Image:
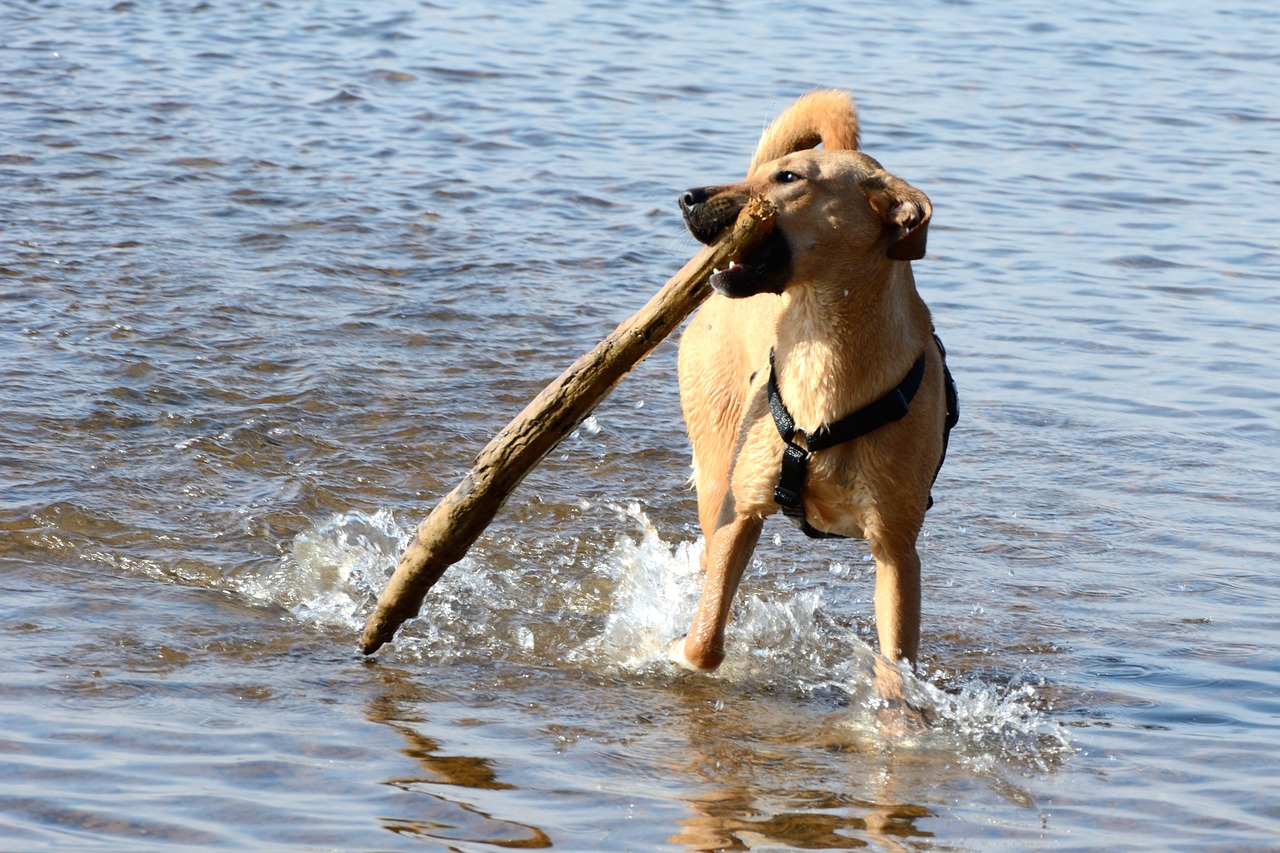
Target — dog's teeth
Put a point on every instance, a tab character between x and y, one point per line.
733	264
716	271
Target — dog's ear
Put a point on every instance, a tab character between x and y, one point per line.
905	212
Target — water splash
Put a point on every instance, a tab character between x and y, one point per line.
620	611
654	587
785	637
989	723
332	574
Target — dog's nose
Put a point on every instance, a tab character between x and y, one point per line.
693	198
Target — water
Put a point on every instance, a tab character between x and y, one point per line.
273	273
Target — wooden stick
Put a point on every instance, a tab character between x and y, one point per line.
444	536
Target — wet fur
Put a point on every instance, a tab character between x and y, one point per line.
846	323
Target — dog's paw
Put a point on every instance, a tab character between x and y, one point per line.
895	714
898	718
676	654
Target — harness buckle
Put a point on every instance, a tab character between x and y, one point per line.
795	463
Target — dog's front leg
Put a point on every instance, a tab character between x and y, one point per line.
898	601
702	649
898	627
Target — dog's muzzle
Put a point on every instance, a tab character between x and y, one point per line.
708	211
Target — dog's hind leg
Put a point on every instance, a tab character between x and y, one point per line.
726	556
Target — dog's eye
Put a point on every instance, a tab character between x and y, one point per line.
787	177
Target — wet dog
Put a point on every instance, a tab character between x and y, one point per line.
812	381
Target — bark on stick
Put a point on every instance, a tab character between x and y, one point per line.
445	535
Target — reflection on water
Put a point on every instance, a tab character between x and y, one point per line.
731	770
718	814
453	815
470	824
271	274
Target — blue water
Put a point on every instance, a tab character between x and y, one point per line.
272	274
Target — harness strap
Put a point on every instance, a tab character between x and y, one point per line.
953	409
891	407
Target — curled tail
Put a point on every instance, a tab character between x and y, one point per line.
827	116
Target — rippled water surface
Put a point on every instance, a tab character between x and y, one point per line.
272	273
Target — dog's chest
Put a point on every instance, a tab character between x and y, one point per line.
810	388
837	496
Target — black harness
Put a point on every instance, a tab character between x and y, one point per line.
891	407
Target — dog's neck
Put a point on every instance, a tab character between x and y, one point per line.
838	349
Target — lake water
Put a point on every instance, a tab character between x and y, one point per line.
272	273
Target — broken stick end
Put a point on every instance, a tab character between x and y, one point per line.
761	209
379	630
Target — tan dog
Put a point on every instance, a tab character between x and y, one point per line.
832	296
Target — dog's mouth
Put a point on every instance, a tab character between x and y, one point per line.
765	268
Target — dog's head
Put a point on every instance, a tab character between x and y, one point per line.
836	210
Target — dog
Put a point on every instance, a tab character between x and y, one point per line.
811	380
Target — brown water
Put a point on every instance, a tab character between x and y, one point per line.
272	273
